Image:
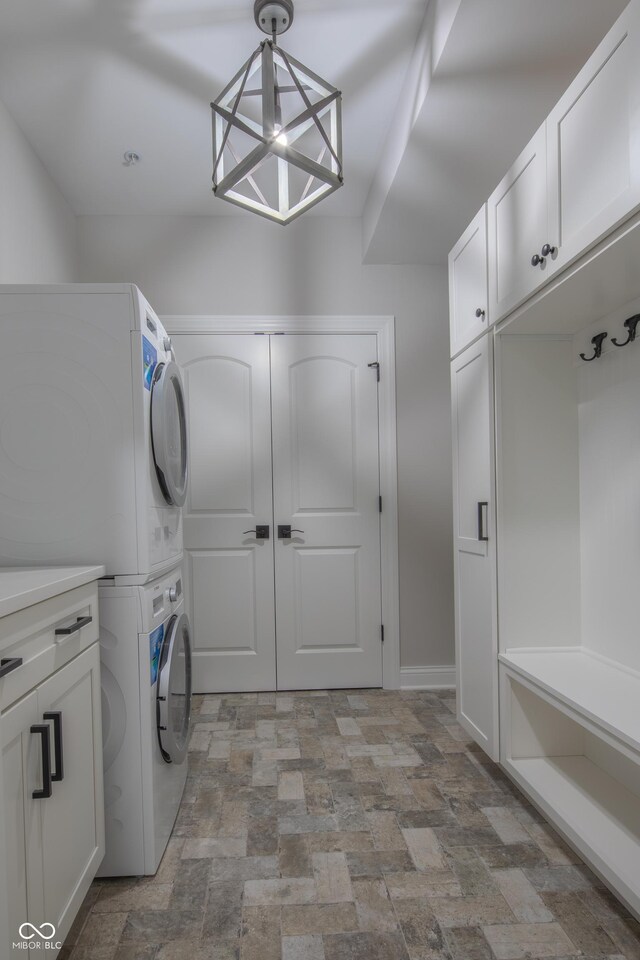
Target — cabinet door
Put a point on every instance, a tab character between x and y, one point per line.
518	216
468	308
73	817
474	548
21	774
593	142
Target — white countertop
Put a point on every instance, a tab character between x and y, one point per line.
21	587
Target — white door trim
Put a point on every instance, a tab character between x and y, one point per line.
384	329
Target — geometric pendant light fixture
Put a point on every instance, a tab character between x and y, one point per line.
277	129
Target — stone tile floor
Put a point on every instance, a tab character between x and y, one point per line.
351	825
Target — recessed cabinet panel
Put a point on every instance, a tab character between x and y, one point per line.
72	819
518	229
475	662
472	432
594	143
468	306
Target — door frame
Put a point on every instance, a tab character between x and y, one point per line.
384	329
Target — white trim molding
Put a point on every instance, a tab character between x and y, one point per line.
384	329
427	678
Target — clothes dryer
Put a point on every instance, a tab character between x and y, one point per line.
146	709
93	432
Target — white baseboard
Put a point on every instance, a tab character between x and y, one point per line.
427	678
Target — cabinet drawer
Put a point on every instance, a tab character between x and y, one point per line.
45	637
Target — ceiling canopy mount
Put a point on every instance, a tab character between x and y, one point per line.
273	16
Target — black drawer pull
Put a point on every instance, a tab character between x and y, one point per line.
9	664
42	729
78	625
56	716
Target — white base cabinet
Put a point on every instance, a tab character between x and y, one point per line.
474	543
52	805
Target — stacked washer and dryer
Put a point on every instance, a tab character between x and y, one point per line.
93	469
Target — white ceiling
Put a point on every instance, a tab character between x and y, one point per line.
87	80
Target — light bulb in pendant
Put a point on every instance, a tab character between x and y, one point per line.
280	138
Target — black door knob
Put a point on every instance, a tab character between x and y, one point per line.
548	250
261	531
480	313
537	260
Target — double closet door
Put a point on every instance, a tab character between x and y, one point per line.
283	434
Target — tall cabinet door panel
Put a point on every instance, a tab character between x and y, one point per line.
22	774
72	818
593	139
518	217
326	487
468	307
474	538
229	570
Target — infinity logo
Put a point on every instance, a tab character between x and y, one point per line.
36	931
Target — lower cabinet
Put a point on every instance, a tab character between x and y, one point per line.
475	543
53	796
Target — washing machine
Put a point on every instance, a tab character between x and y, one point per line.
146	708
93	436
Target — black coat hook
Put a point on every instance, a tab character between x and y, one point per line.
631	325
597	342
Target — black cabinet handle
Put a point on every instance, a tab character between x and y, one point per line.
78	625
42	730
9	664
482	504
548	250
56	716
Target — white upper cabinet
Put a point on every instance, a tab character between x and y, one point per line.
468	297
518	214
593	143
576	180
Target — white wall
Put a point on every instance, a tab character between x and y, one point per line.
37	226
243	265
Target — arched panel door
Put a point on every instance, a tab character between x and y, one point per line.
228	570
326	488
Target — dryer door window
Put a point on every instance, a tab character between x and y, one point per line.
169	432
174	690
